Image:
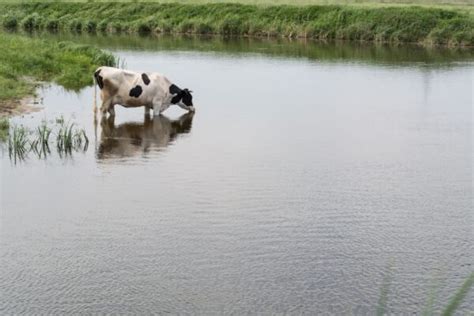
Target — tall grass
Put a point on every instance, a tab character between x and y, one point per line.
428	26
4	128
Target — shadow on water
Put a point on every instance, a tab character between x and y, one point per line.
133	139
360	52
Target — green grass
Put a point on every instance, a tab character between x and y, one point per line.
285	2
65	63
395	24
4	128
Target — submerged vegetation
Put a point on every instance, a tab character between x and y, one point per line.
399	24
25	60
69	138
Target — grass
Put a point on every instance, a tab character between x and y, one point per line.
24	60
4	128
286	2
394	24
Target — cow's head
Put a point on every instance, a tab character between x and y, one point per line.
182	97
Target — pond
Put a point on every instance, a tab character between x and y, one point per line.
313	178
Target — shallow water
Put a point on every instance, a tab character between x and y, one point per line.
306	182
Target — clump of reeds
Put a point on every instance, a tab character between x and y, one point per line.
69	138
40	145
18	143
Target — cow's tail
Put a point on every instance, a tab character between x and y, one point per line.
95	94
95	82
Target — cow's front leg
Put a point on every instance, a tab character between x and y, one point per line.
157	108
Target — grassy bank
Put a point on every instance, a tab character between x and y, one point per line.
24	60
431	3
428	26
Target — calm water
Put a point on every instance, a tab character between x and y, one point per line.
312	179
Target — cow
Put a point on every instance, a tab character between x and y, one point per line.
131	89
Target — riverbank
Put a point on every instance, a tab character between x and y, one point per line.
25	61
398	24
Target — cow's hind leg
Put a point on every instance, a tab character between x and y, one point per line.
106	107
112	110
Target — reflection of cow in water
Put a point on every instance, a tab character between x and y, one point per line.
129	139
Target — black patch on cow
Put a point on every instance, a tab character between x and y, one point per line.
175	90
99	79
187	97
145	79
136	92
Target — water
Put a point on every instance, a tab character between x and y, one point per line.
312	179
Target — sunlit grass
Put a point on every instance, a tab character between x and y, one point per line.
68	64
4	128
399	24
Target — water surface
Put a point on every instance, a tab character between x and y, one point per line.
312	179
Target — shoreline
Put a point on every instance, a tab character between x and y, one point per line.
18	106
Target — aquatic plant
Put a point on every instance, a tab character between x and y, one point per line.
69	138
22	141
459	296
41	143
18	143
448	310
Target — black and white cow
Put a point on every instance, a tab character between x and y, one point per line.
131	89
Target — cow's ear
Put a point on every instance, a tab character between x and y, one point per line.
174	89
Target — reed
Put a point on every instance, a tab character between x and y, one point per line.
18	143
70	138
40	144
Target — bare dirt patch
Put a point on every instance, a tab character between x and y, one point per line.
18	106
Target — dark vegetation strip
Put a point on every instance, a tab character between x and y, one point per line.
427	26
25	60
334	51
